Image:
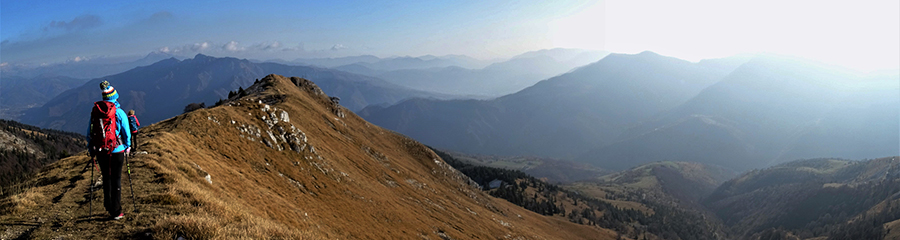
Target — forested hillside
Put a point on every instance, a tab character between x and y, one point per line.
24	149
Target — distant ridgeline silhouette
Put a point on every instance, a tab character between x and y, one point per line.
626	110
163	89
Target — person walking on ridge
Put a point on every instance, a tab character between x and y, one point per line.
135	125
109	139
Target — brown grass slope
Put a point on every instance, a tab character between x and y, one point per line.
244	171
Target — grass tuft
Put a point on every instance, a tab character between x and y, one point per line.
162	199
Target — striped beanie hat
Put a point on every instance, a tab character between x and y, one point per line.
109	93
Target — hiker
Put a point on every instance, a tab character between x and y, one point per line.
109	141
135	125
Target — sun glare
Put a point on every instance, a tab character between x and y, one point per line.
584	28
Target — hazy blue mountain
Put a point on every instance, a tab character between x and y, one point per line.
18	93
86	69
381	65
494	80
161	90
767	111
561	117
334	62
727	64
401	63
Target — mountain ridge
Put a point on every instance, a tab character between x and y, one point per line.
769	110
282	162
835	198
494	80
558	117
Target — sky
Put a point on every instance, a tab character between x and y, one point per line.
862	35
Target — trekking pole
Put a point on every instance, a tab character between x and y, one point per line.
130	183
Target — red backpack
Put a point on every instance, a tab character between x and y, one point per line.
103	127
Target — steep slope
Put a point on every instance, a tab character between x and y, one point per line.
161	90
560	117
497	79
633	218
767	111
18	93
26	149
813	198
283	162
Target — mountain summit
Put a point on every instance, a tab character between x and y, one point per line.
282	162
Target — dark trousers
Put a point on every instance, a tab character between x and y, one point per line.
133	140
111	169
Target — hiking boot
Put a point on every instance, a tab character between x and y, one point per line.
121	215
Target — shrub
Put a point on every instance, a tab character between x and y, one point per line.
194	106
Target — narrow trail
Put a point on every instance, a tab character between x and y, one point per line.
63	196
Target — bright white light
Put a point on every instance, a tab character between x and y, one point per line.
864	35
584	28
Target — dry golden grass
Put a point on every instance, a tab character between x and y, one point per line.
205	178
27	200
893	229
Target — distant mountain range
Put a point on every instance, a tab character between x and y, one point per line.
462	75
561	117
768	111
84	69
18	93
161	90
406	63
626	110
373	63
491	81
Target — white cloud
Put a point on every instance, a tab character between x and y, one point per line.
232	46
199	46
187	48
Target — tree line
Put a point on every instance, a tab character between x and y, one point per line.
17	164
548	199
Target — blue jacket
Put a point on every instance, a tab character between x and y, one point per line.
121	126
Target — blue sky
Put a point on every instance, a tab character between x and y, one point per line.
862	35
